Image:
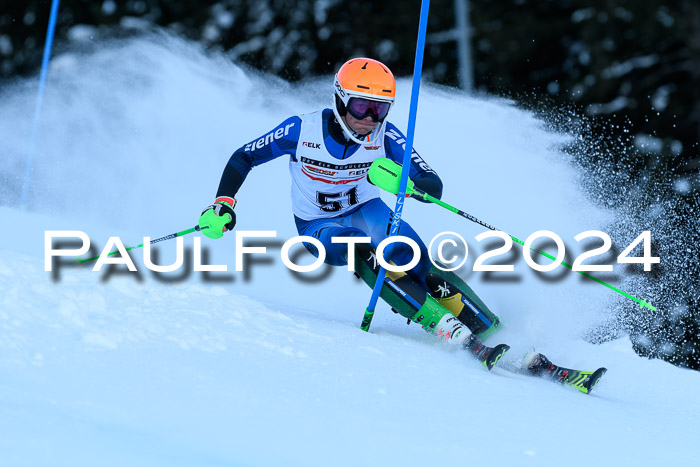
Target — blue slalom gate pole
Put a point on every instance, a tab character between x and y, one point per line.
401	196
48	45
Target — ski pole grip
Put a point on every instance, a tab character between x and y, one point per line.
386	174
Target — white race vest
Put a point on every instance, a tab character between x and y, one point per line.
323	186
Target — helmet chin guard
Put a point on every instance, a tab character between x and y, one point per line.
367	79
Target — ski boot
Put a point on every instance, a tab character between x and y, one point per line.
489	356
452	331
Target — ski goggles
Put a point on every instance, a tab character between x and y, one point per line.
362	108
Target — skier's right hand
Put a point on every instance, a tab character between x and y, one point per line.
218	217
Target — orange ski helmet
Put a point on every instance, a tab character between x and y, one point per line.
364	87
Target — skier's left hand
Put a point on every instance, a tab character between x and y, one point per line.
386	174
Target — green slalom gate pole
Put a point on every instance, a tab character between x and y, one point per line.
196	228
385	174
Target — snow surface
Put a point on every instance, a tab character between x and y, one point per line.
269	368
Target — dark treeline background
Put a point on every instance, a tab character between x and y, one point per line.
624	74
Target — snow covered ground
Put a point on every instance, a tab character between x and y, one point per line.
268	368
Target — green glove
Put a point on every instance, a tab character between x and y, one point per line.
386	174
218	217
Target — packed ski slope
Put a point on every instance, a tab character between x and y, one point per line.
264	367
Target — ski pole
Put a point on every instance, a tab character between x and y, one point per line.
196	228
384	173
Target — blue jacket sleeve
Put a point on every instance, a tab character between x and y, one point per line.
282	140
423	176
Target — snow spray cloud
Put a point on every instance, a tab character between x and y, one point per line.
645	191
124	113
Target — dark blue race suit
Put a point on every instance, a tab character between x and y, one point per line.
369	219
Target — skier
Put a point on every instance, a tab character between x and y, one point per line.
330	152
